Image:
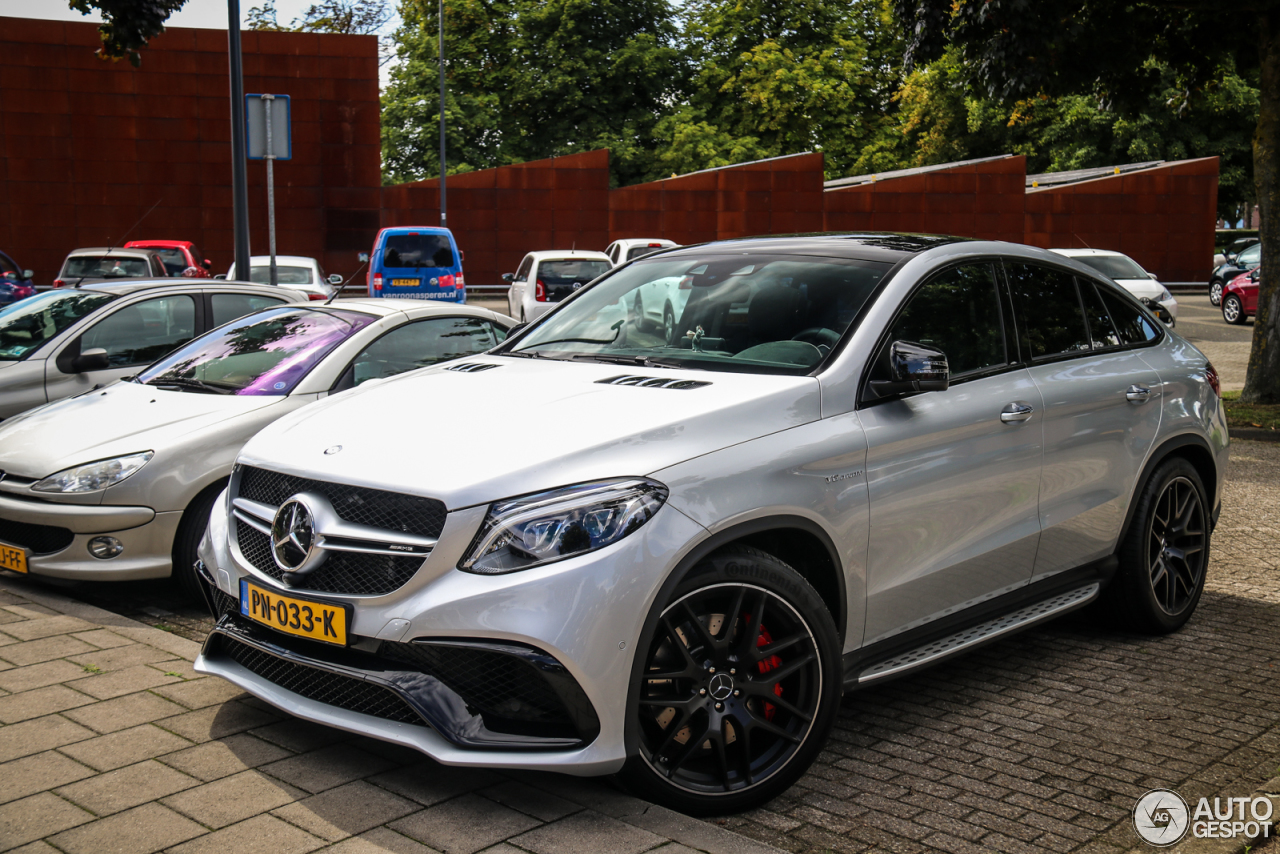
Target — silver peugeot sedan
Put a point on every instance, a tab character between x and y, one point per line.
116	483
856	455
67	341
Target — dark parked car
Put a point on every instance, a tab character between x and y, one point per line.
1246	259
15	282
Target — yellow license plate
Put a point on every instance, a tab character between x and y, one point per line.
306	618
405	283
13	558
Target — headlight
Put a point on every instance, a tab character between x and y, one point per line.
536	529
1165	296
94	476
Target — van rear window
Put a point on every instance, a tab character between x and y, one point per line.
417	250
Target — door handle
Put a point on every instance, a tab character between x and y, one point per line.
1137	394
1015	412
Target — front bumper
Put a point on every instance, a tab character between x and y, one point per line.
56	537
585	614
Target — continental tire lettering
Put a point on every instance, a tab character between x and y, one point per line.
738	570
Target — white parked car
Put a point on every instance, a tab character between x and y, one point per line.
1126	273
292	271
622	251
117	484
545	278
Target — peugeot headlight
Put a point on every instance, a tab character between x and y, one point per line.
94	476
536	529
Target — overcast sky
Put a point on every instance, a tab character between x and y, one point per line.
196	13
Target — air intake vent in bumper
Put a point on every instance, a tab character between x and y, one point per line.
470	367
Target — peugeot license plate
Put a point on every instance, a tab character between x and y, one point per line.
12	557
306	618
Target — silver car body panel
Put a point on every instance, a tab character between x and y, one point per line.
931	504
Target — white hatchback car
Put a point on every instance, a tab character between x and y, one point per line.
545	278
292	271
1126	273
631	248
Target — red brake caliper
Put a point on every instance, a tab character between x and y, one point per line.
765	666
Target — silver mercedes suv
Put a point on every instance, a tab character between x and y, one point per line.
665	552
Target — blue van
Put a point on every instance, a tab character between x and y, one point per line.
417	262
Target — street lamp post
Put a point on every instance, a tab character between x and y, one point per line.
444	218
239	167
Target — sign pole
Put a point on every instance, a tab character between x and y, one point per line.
271	190
239	168
444	219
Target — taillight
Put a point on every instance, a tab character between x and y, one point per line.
57	283
316	296
540	294
457	282
1212	376
377	282
654	246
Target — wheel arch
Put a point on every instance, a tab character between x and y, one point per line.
1195	450
214	486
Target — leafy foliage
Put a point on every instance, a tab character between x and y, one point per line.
353	17
127	25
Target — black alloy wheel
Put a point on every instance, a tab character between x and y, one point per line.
738	688
1164	557
1177	540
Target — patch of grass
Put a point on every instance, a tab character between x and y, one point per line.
1244	415
91	668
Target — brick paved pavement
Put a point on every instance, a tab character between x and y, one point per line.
110	742
1043	742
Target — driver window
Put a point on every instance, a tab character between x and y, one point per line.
958	313
523	272
139	334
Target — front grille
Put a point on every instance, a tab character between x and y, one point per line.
353	573
500	687
345	692
40	539
376	508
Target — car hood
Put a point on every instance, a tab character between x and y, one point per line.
1141	287
526	425
122	418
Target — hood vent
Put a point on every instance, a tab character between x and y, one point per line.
653	382
470	367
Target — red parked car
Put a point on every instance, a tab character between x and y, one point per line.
1240	297
180	257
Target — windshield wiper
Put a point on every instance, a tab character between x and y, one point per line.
640	361
188	383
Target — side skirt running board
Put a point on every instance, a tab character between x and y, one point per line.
966	639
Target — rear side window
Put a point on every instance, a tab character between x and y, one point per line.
416	345
417	250
1052	320
1100	328
957	313
1132	326
228	307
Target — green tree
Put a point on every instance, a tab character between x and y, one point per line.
127	25
772	78
529	79
1117	53
353	17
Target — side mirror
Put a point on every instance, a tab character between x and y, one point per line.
913	367
207	264
335	279
28	274
221	277
363	257
91	360
508	277
462	256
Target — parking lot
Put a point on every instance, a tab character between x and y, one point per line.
1038	743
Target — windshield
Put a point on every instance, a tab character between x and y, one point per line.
267	353
417	250
746	313
1114	266
568	270
105	267
1252	255
284	275
174	261
26	325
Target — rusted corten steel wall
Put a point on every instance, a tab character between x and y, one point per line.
497	215
983	200
1163	217
89	146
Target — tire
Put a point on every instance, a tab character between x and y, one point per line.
186	542
639	321
1215	292
1165	554
668	323
1233	310
705	678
